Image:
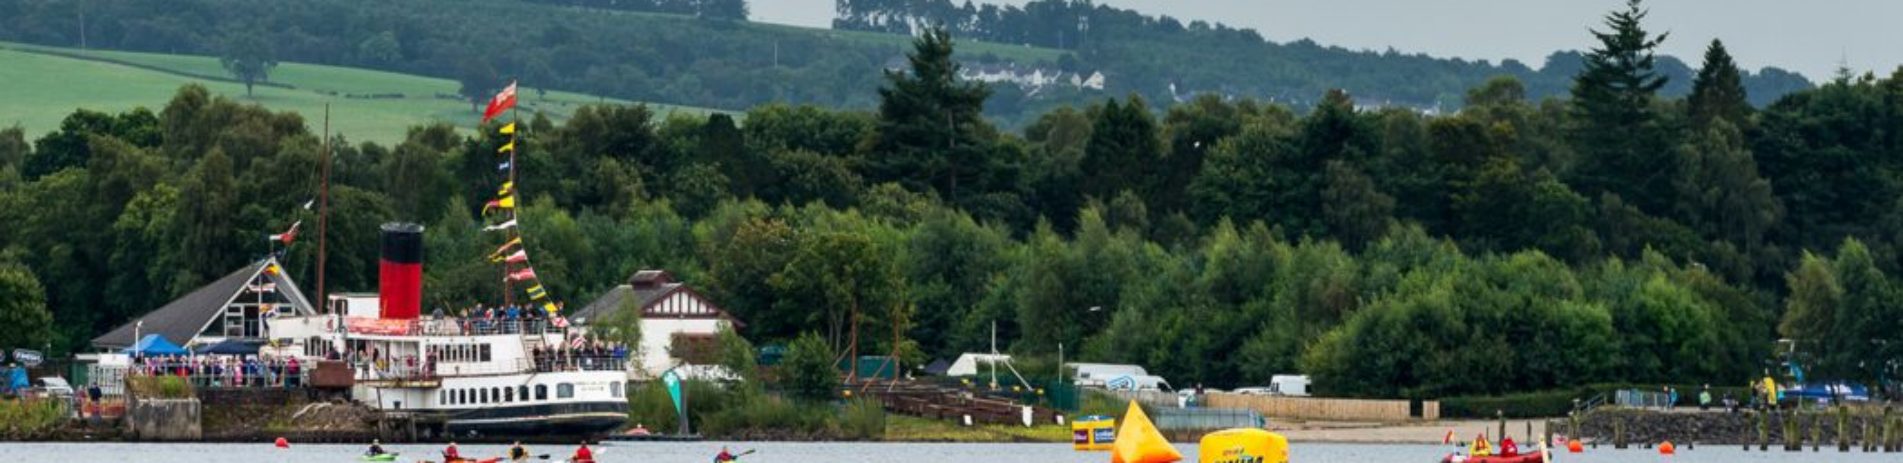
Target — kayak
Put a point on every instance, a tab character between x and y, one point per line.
1527	458
383	457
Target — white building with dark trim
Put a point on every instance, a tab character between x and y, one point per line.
239	305
679	326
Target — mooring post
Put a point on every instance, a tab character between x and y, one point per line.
1816	431
1792	440
1868	438
1843	428
1502	416
1764	431
1618	433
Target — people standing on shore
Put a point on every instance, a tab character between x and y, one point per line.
1704	399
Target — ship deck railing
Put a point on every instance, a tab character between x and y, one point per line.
485	327
406	371
204	376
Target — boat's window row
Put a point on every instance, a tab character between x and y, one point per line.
502	395
481	396
460	353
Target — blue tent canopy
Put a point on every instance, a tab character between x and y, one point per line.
154	344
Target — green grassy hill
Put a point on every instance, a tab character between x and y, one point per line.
45	84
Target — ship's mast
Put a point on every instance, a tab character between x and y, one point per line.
323	210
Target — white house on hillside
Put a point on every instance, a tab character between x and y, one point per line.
678	326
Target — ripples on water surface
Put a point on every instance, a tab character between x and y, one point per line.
838	453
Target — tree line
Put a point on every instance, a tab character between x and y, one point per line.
721	61
715	9
1616	235
1164	58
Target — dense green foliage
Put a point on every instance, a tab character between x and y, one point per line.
1384	252
808	372
23	309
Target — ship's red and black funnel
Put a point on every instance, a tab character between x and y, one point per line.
400	272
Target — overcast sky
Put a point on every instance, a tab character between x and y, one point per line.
1808	36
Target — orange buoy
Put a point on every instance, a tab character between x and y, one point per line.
1574	446
1666	448
282	443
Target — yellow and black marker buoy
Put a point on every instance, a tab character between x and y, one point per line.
1243	445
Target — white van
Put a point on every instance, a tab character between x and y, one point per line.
1138	383
1099	374
1289	385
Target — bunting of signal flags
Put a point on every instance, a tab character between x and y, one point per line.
505	199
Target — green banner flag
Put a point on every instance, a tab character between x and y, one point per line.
673	382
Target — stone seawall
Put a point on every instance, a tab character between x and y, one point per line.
164	420
265	414
1641	427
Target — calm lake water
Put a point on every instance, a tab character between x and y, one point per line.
843	453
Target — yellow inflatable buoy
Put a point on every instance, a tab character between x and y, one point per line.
1243	445
1138	441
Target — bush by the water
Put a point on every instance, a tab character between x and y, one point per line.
160	387
743	410
21	418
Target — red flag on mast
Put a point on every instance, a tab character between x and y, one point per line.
502	102
288	235
523	274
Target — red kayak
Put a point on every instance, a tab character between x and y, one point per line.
1527	458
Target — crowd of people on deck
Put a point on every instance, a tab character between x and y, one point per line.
594	355
477	319
223	370
372	359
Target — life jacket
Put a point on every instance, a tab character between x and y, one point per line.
1480	447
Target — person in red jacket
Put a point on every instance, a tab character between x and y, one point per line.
583	455
450	455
